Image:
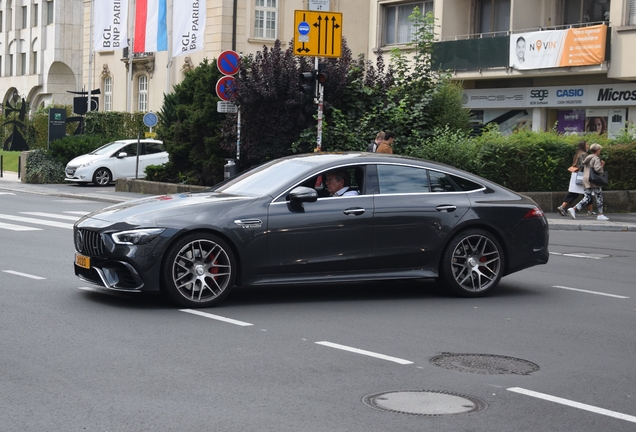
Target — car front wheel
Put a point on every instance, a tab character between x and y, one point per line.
199	270
102	177
472	264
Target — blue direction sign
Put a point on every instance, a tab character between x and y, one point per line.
228	62
225	88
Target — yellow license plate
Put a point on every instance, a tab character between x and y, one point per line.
82	261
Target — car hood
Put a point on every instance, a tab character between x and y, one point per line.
146	211
83	159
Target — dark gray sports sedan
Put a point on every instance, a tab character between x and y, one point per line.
315	218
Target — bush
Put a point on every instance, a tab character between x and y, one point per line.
42	168
65	149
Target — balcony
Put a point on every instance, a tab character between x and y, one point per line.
142	62
482	52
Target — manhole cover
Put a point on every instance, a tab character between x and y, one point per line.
424	402
485	364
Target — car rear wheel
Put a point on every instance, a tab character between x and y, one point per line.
199	270
472	264
102	177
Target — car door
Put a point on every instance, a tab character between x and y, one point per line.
152	154
125	166
411	222
332	234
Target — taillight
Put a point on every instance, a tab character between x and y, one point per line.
534	213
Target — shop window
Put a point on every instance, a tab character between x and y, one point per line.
265	19
493	17
397	28
586	11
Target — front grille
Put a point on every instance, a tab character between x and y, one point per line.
88	243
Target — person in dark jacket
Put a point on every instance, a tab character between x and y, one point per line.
373	146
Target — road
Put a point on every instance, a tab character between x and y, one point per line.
305	358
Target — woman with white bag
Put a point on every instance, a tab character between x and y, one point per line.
576	180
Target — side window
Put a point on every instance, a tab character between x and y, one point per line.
153	148
442	182
130	150
395	179
353	179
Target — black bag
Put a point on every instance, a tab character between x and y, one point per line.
370	147
597	179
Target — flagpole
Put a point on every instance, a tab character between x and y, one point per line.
90	60
131	46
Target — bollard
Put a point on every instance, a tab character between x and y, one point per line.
19	165
1	162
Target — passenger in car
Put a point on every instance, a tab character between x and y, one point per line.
338	183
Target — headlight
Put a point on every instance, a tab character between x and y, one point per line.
87	164
137	237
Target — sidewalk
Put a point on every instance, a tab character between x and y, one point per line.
622	222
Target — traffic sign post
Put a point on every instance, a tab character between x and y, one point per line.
318	34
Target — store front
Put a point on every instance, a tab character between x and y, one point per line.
605	109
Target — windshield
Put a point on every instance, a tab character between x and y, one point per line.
107	148
266	179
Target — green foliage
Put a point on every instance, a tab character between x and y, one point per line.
9	160
42	168
448	146
446	108
38	126
190	126
116	124
65	149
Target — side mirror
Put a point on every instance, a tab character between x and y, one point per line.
302	194
122	155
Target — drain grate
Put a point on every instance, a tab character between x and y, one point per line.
485	364
424	402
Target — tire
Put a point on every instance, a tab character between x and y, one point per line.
199	270
102	177
472	264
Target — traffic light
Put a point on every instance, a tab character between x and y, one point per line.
307	82
323	74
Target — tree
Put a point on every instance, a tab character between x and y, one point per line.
190	126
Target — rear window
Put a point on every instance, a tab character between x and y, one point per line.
443	182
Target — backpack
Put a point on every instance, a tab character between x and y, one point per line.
371	148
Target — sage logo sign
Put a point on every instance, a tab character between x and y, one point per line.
539	96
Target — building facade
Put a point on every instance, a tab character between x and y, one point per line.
40	58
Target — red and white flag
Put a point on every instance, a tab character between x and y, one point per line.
151	31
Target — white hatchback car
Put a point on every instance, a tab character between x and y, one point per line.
115	160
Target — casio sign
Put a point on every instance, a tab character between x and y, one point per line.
570	93
539	94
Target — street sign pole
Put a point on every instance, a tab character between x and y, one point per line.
238	136
321	91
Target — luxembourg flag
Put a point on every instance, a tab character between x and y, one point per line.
151	31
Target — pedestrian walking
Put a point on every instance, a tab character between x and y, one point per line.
575	189
373	145
387	144
591	162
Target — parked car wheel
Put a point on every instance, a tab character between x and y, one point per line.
472	264
199	270
102	177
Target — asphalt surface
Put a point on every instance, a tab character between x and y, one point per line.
621	222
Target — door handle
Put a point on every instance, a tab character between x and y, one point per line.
446	208
354	211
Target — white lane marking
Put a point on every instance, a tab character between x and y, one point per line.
51	215
18	227
23	274
103	291
574	404
216	317
590	292
363	352
579	255
7	193
36	221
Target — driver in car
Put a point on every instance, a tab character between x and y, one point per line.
338	184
